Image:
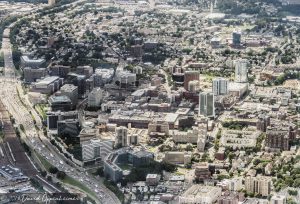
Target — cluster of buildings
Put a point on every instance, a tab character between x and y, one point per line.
140	99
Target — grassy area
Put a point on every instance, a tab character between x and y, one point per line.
125	166
41	110
111	186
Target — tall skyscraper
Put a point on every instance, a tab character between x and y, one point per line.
236	38
207	104
241	71
190	76
220	86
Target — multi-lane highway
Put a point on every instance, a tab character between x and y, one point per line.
13	98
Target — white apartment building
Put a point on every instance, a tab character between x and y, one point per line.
241	71
220	86
121	136
259	184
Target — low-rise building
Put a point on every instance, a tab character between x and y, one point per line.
202	172
177	157
48	85
200	194
278	199
95	97
60	103
32	75
70	91
152	179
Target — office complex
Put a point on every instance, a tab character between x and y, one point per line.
62	103
32	75
32	63
70	91
91	150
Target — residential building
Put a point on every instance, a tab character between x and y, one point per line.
177	157
220	86
190	76
241	71
259	184
190	136
121	136
132	139
233	184
207	104
279	135
263	122
202	172
155	128
200	194
237	89
278	199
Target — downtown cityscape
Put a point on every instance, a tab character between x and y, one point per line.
150	101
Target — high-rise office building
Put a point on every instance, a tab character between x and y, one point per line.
236	38
241	71
190	76
207	104
220	86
